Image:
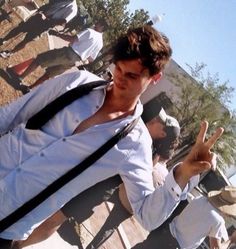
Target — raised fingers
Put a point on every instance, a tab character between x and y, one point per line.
212	140
202	133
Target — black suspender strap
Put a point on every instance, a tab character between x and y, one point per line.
43	116
67	177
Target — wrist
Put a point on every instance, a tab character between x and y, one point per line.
181	175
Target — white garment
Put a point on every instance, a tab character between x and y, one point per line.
88	44
31	159
62	10
159	174
197	221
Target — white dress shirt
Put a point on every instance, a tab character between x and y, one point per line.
159	174
88	44
31	159
197	221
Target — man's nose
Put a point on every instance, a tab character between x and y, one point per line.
121	78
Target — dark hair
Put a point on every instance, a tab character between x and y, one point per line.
102	22
151	109
165	147
144	43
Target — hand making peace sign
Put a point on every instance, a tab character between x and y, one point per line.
200	158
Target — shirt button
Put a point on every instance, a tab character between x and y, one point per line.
41	154
172	189
97	106
77	121
63	139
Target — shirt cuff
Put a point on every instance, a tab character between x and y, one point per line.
175	190
172	186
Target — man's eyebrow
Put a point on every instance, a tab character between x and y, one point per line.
133	74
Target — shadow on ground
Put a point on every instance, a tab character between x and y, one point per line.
13	81
68	233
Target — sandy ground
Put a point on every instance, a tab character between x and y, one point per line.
54	241
7	92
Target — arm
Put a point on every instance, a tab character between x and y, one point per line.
43	231
69	38
152	207
217	244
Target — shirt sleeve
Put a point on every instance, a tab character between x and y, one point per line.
26	106
151	206
219	231
83	35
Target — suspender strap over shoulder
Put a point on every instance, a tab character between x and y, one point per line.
44	115
66	178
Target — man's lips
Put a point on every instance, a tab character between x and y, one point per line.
119	85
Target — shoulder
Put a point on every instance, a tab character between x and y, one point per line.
139	142
212	213
83	33
95	33
63	83
81	77
216	216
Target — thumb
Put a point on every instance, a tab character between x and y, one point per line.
201	166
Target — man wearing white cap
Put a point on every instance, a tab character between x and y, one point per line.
203	217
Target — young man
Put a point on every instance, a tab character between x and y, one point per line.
203	217
32	159
83	47
164	131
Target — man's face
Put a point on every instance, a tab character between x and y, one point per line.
131	78
156	128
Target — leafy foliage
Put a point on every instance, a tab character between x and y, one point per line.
117	15
119	20
203	97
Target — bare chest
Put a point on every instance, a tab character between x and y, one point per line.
100	117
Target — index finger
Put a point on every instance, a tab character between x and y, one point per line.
202	133
212	140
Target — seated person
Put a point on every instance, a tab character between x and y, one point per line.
202	217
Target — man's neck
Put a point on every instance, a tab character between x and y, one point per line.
114	107
119	103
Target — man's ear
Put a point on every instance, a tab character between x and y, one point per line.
156	78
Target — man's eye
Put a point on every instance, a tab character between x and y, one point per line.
131	76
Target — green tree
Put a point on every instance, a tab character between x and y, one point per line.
204	97
119	20
117	15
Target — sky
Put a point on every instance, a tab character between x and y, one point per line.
199	31
233	180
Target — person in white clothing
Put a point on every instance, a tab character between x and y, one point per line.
84	47
48	16
202	217
31	159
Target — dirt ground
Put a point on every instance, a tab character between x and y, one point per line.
7	92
